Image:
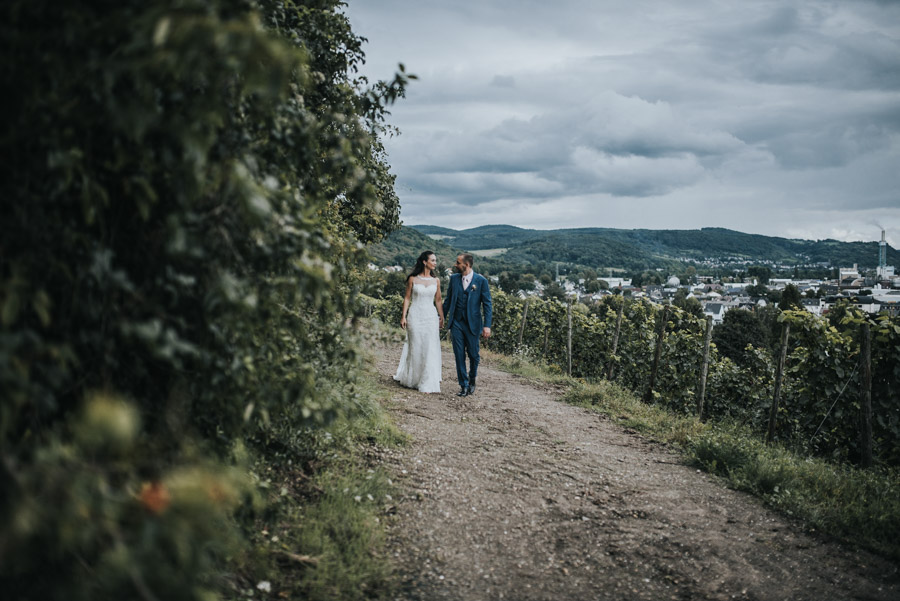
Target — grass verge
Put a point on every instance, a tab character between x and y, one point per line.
322	534
858	506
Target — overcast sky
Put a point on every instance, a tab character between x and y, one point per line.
776	117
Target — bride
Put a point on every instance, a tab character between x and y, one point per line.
422	318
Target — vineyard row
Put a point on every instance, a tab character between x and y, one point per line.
663	354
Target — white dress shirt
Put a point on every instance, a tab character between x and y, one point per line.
466	279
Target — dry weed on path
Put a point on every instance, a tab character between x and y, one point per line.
510	494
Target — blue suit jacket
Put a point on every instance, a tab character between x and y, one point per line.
479	298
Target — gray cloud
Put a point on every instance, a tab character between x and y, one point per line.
503	81
615	145
787	47
775	116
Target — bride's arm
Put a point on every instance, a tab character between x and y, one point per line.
440	305
406	297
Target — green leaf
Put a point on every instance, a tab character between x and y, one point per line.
11	306
41	304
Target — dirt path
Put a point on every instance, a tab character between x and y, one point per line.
510	494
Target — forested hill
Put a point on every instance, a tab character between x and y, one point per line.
635	249
403	246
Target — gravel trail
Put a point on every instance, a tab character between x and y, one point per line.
511	494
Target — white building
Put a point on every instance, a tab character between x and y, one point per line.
849	272
739	285
616	282
814	305
888	298
886	273
716	311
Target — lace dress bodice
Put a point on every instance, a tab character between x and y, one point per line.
421	307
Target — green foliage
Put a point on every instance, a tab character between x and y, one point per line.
340	527
508	283
554	291
790	298
743	461
639	250
686	303
757	290
214	226
321	536
761	273
824	365
821	384
382	284
94	518
187	188
742	393
597	250
403	246
594	286
588	249
858	505
739	333
386	310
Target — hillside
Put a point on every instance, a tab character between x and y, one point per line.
404	246
487	236
639	249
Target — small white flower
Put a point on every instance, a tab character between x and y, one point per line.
265	586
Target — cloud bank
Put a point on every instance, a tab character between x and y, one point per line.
775	117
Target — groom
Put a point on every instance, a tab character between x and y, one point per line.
467	296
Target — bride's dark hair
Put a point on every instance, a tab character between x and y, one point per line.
420	264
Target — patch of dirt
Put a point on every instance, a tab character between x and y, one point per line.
511	494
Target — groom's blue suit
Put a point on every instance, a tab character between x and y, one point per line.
463	313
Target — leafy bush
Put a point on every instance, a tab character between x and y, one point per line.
739	330
92	517
821	384
187	188
824	366
743	394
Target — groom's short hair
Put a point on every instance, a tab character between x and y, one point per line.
468	259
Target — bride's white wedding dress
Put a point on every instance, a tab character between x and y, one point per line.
420	361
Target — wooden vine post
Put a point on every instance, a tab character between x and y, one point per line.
704	368
569	342
657	353
779	376
865	376
522	327
615	344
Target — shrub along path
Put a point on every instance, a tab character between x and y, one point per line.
510	494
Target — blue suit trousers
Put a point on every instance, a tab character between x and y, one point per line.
465	343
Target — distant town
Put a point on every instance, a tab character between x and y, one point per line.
873	291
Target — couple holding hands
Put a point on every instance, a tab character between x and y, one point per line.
468	312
